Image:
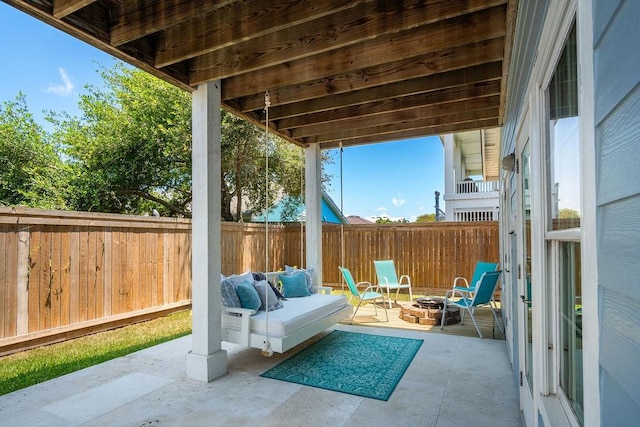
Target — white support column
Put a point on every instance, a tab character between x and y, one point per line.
449	174
313	202
206	361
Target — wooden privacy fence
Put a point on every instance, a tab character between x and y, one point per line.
63	274
432	254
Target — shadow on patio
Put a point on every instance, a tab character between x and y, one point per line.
453	380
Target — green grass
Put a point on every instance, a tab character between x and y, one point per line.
31	367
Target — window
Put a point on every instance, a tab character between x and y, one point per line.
563	190
563	143
571	326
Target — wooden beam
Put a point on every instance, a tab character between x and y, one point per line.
486	24
474	56
345	28
416	133
401	116
477	74
238	23
391	126
62	8
457	93
139	18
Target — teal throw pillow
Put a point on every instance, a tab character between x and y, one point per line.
294	286
308	274
248	296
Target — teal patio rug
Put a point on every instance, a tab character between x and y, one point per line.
350	362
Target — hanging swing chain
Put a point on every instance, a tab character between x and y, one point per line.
302	260
267	103
341	222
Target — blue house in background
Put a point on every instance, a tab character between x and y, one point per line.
330	212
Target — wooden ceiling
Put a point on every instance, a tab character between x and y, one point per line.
355	72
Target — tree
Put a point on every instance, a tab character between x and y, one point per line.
426	218
130	152
566	213
244	169
31	172
387	220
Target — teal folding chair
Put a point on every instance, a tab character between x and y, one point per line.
469	287
388	279
482	296
370	294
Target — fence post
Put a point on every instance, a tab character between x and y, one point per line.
22	294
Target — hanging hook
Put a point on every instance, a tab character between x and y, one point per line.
267	101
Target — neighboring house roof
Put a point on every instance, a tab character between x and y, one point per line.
355	219
330	212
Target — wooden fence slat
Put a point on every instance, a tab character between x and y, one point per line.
55	280
34	281
65	276
5	282
99	274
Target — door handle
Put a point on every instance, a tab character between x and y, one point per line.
524	300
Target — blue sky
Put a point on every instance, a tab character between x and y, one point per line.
393	179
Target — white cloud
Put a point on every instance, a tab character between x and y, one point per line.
381	209
397	202
65	87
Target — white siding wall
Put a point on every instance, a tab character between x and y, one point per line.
617	117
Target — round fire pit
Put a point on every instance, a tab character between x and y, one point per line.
428	311
432	303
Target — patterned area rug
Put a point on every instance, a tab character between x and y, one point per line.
349	362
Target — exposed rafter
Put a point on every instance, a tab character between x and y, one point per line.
355	72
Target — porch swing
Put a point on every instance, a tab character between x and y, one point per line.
299	319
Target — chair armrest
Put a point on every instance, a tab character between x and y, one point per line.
455	281
245	322
452	293
370	287
374	288
404	276
238	310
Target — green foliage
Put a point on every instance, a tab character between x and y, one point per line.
387	220
427	218
566	213
31	172
31	367
131	150
244	164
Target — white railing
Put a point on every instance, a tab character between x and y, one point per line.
465	187
476	215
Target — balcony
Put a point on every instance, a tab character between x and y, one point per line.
473	201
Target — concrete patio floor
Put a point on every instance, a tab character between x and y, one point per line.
452	381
